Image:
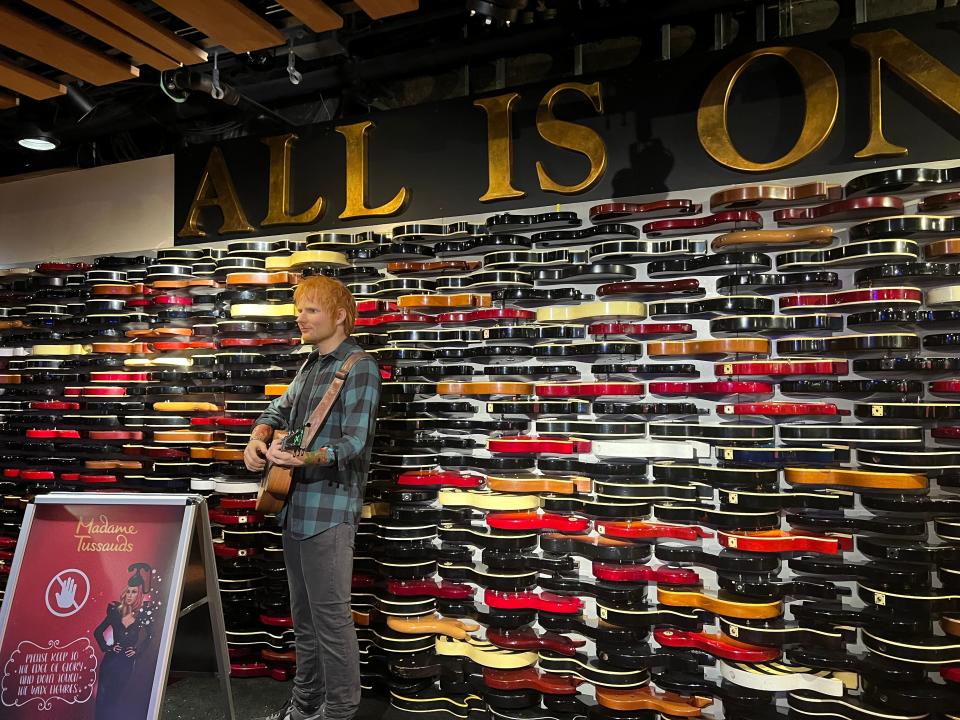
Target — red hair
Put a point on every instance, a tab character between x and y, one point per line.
330	295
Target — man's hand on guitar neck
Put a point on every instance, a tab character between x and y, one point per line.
282	457
286	459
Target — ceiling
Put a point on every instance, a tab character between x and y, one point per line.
116	80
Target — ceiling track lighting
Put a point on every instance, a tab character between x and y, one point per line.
502	12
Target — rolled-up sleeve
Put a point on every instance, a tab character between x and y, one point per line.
361	397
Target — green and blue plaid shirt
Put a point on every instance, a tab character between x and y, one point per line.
324	496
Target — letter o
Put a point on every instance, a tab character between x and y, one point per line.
821	96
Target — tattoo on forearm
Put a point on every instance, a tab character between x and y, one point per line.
315	457
262	432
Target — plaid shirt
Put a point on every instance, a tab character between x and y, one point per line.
326	496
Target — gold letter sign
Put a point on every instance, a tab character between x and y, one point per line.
572	137
920	69
499	147
278	196
820	93
216	190
356	205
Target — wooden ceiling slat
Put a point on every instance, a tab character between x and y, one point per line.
385	8
28	83
105	31
228	22
316	15
148	31
41	43
8	101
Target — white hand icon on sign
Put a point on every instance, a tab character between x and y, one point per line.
73	592
67	597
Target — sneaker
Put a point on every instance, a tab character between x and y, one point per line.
291	710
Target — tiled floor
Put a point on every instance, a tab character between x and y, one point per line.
199	698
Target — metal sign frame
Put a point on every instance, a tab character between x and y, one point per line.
186	654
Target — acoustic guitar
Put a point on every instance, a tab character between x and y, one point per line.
277	480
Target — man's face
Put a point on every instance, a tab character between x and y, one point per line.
316	324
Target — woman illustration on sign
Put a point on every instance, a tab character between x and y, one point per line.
130	626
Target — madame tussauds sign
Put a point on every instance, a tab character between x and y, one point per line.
88	612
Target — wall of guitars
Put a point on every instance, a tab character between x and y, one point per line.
694	456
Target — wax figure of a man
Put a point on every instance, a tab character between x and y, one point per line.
320	518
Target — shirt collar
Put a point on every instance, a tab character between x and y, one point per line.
345	348
340	352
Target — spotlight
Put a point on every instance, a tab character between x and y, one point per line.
33	138
80	101
501	11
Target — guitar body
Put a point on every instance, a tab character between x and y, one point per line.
274	485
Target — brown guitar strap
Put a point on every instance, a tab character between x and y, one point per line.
320	412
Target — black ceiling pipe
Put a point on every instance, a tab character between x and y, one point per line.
517	41
191	80
410	63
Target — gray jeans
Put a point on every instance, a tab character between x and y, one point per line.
320	572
